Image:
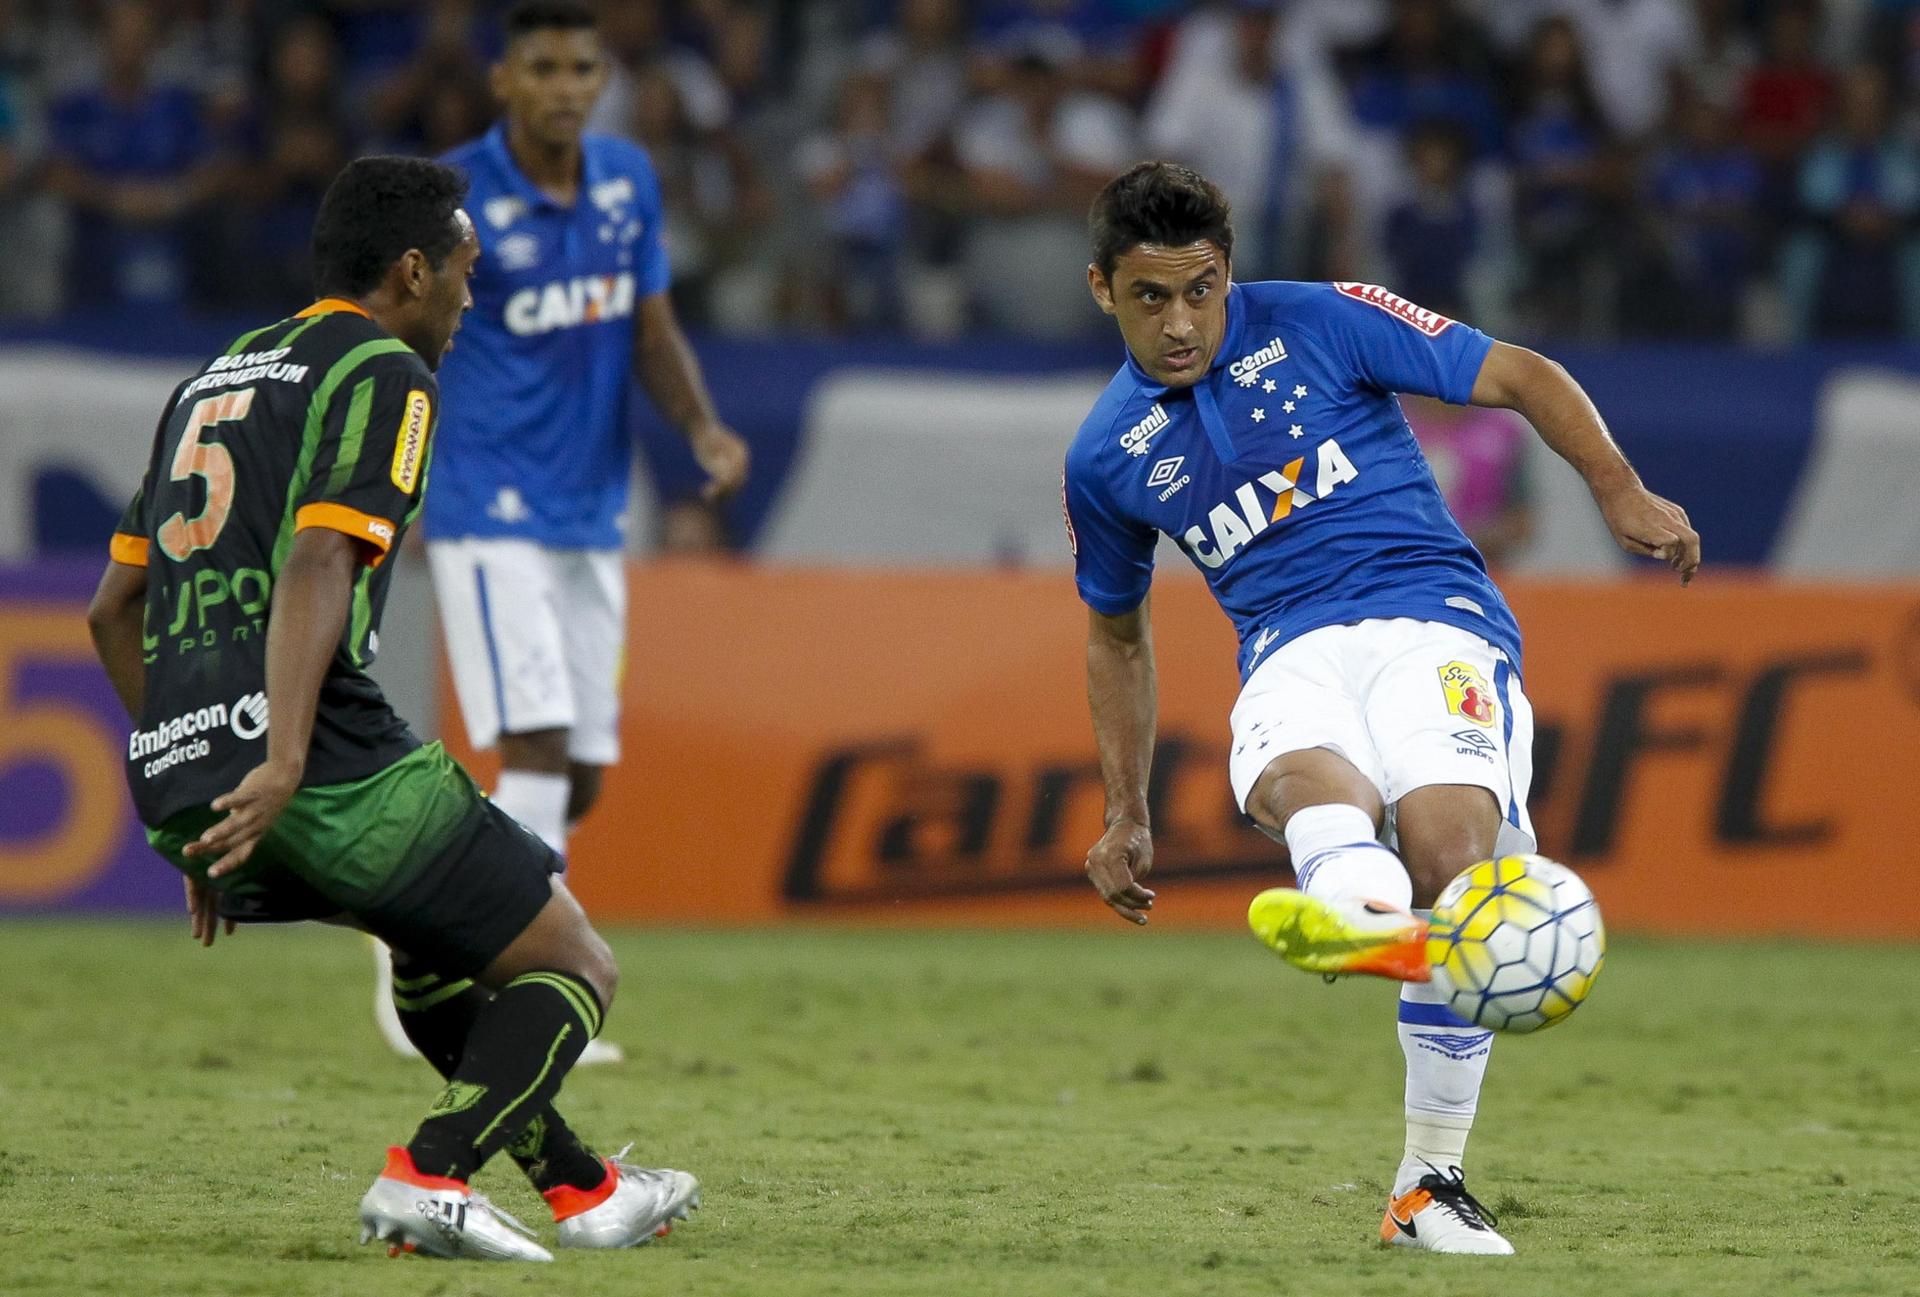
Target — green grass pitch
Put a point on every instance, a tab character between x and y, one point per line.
965	1113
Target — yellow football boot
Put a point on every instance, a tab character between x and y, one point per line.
1340	937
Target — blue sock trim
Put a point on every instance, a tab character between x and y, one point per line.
1303	873
1415	1013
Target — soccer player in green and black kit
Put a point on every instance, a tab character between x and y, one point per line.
236	619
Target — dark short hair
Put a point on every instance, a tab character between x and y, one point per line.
374	211
1157	202
531	16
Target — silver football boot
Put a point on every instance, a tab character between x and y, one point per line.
643	1206
433	1216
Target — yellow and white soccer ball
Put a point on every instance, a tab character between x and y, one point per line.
1516	943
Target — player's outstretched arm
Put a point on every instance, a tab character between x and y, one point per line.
1122	693
1545	394
671	374
311	597
115	618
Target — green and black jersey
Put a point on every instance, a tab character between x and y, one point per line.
322	420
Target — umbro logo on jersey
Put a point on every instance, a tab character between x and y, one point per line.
1246	370
518	252
1134	441
1167	474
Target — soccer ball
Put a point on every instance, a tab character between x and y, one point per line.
1516	943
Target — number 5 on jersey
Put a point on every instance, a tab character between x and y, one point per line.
179	535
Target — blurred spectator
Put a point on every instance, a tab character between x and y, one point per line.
1703	194
850	172
710	185
134	160
438	98
1435	234
1561	174
297	142
925	59
1033	156
634	33
1633	47
30	227
1724	52
1478	458
1788	91
1854	266
1432	64
1268	129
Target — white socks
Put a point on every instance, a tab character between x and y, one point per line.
1446	1061
1335	857
539	801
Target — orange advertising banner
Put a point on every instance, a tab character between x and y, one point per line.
914	746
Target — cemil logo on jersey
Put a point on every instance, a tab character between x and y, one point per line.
1233	523
410	447
1467	692
568	303
1431	323
1246	370
1135	440
1066	516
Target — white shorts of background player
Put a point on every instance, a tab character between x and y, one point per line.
1375	692
537	640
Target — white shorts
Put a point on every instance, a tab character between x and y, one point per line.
1409	703
537	639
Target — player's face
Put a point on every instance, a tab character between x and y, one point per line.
1171	306
447	295
548	81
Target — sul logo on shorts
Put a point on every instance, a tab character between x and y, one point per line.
1467	692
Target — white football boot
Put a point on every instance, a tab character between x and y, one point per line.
634	1206
431	1215
1439	1215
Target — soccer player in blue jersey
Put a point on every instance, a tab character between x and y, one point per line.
527	502
1257	425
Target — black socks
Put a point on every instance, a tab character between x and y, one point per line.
504	1058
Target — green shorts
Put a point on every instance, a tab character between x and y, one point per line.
414	852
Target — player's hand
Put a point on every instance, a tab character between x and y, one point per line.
1117	863
1645	524
251	810
722	455
203	911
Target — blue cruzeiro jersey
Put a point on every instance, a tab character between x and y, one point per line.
1287	473
533	440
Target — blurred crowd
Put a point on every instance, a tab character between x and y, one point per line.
1745	169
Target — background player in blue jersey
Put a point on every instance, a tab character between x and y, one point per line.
1256	425
526	508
